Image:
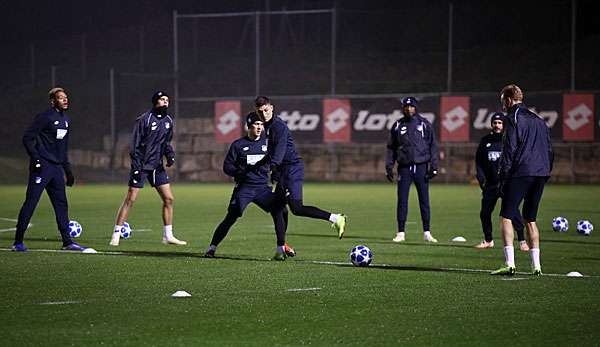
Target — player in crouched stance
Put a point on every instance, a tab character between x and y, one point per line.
525	166
251	185
151	142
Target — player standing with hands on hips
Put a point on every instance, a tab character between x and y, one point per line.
486	162
47	142
413	146
151	142
525	166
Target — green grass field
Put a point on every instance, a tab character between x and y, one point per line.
413	294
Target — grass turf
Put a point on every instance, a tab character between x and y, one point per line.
413	294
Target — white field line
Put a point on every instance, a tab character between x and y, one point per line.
60	302
303	289
322	262
13	228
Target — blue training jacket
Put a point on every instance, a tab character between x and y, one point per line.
412	141
282	150
48	137
241	158
152	136
526	146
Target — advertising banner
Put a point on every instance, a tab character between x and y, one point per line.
227	121
454	119
336	120
578	117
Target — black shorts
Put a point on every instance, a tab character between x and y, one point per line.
528	189
243	195
156	178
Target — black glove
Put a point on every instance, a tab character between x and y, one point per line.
240	174
70	178
389	173
431	173
501	188
275	175
170	161
36	166
136	175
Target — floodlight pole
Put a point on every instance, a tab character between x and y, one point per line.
113	128
450	37
257	53
333	47
175	81
573	39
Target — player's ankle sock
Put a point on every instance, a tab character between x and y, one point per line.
168	231
212	248
427	234
117	228
280	249
333	217
535	257
509	255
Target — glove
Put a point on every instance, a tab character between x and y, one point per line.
136	175
501	189
482	185
36	166
431	173
170	161
389	173
70	178
240	174
275	175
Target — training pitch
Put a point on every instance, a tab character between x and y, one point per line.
413	293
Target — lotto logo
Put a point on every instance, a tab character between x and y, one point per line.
336	126
455	118
227	121
578	117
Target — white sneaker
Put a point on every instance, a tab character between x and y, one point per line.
114	240
427	237
400	237
172	240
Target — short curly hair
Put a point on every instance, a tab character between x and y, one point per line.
52	92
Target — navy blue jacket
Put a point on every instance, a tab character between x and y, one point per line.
487	159
243	154
412	141
48	137
526	147
152	136
282	150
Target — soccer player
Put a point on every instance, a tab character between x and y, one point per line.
486	162
151	142
46	142
251	185
413	146
525	166
287	168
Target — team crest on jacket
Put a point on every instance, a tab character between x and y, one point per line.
420	127
153	125
403	130
264	148
245	149
167	125
56	122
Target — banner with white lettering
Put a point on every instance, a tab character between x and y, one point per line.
228	121
373	118
454	119
336	120
578	117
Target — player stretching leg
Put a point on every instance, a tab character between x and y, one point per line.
287	168
151	142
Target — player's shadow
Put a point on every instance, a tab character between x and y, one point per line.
407	268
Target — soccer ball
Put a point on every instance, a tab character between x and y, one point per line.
126	231
560	224
361	256
585	227
74	228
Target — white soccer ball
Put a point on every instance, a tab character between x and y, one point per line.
361	256
74	228
560	224
585	227
125	231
